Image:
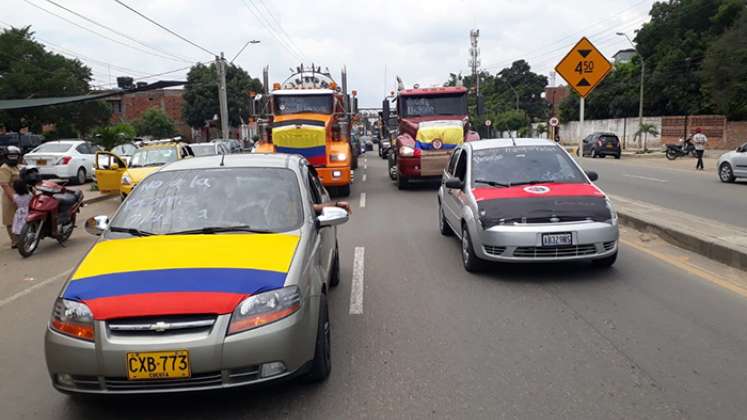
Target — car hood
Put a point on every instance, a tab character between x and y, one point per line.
138	174
542	203
179	274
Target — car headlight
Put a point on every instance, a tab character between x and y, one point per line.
126	180
613	212
264	308
406	151
338	157
72	318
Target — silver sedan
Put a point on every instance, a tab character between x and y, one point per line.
524	200
733	165
214	273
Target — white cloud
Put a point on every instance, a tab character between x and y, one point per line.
422	41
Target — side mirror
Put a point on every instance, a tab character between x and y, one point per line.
593	176
454	183
332	216
97	225
385	111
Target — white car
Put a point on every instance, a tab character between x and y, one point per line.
210	149
733	165
65	159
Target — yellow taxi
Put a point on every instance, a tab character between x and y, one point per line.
114	174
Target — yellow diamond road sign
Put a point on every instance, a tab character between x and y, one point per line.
584	67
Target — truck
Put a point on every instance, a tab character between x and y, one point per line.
310	114
431	122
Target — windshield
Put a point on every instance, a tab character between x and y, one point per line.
263	199
419	106
152	157
204	149
124	150
52	148
526	164
319	104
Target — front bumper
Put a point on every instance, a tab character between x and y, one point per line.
523	243
334	177
216	361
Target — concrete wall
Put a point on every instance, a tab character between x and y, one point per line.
625	128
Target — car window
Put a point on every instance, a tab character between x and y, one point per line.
525	164
153	157
53	148
175	201
461	166
84	148
316	188
206	149
452	161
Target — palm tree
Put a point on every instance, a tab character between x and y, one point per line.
644	131
541	129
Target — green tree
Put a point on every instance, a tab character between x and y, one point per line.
155	123
201	94
28	70
725	71
112	135
511	120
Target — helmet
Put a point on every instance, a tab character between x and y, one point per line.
13	150
12	155
698	130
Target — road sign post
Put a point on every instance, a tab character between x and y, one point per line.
584	67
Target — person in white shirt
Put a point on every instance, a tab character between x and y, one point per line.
699	140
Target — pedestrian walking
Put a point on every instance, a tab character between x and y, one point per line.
9	173
699	140
22	199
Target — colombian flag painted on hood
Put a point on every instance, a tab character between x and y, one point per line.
179	274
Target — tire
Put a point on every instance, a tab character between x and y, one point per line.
471	262
343	191
726	173
354	163
671	154
402	182
80	177
618	156
28	242
321	366
443	225
334	276
605	262
593	154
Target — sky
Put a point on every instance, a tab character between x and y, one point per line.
421	41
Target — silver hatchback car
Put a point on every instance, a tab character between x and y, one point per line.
212	274
733	165
524	200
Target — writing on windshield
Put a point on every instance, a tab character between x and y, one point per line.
416	106
318	104
524	164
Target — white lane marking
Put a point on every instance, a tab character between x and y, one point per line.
28	290
364	178
365	164
356	291
363	200
647	178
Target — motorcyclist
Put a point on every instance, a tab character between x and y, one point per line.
9	172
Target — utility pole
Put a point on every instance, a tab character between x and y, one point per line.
640	99
220	65
474	62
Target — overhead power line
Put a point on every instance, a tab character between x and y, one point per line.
154	54
280	27
260	18
123	35
165	28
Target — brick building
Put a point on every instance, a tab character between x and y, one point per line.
554	97
130	107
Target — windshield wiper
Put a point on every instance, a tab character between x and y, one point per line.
209	230
131	231
547	181
492	183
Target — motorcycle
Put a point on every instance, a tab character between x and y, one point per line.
52	213
686	147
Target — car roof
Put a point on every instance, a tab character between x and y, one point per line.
65	141
498	143
203	144
252	160
161	145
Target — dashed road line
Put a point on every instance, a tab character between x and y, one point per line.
646	178
362	201
356	291
364	178
12	298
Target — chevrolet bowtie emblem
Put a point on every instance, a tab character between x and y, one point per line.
160	326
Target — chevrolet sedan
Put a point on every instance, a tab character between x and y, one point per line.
213	274
524	200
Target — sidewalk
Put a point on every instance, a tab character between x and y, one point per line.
721	242
91	196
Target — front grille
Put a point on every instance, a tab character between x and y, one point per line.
608	246
161	326
494	250
555	251
196	381
249	374
86	382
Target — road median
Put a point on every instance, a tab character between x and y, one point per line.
724	243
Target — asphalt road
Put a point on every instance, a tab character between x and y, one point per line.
653	181
643	340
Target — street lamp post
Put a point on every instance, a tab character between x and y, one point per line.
640	99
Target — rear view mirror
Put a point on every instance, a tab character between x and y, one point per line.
332	216
385	110
97	225
593	176
454	183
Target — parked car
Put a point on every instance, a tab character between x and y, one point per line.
64	159
525	200
210	149
233	145
211	293
602	145
25	142
733	165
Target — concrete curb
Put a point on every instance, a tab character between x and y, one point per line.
715	247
